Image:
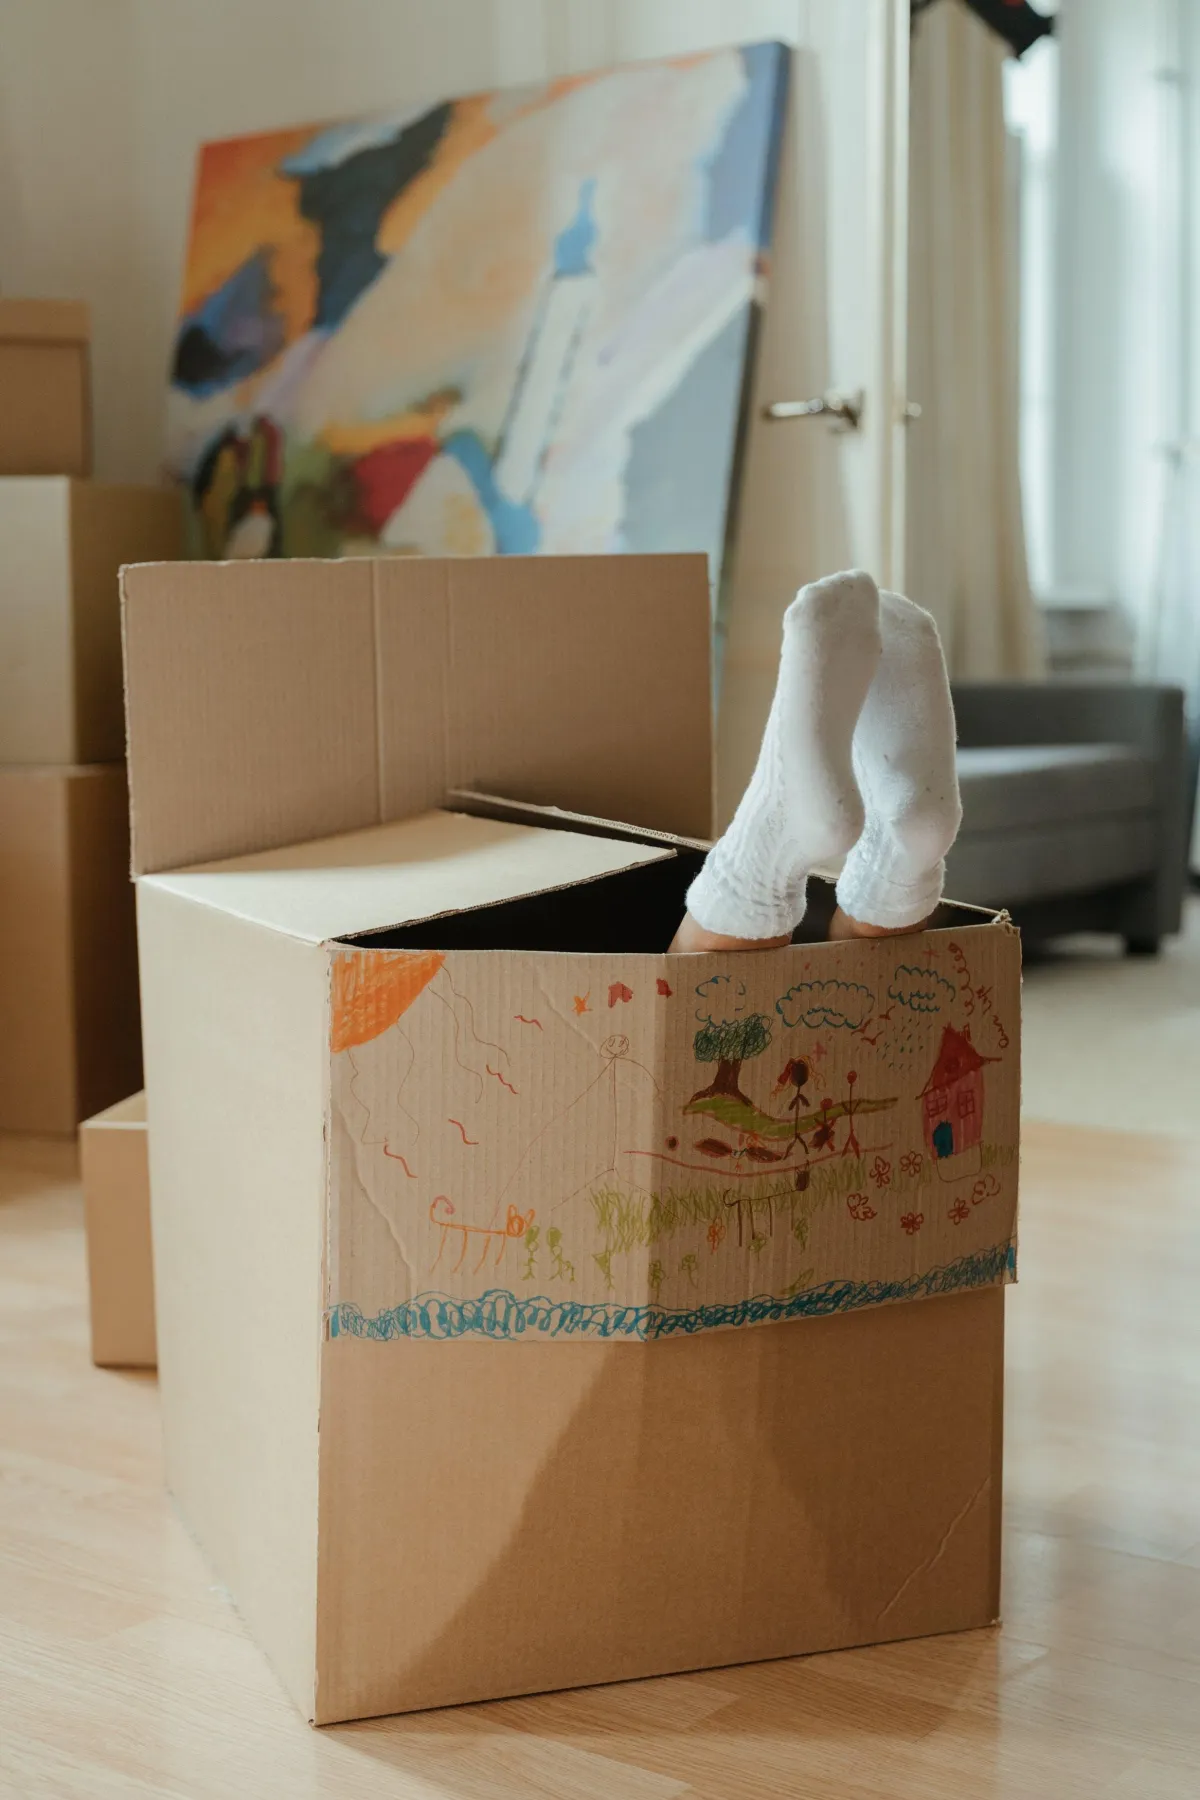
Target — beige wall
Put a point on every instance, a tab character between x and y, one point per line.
104	102
67	223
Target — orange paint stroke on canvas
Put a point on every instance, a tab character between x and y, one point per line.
372	988
471	126
242	204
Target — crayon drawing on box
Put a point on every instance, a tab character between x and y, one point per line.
504	1163
515	322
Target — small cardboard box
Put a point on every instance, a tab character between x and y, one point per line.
116	1210
61	545
69	1034
45	391
521	1286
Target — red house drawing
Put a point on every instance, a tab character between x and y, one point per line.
952	1103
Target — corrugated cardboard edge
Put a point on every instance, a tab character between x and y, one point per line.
524	812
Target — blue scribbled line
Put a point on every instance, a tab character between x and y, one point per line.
498	1314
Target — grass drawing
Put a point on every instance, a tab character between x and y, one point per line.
739	1114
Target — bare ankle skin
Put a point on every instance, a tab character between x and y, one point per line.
842	926
693	939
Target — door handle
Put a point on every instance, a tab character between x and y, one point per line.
844	411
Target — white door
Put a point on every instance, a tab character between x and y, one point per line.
815	498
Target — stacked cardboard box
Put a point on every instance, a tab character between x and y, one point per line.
116	1203
69	1037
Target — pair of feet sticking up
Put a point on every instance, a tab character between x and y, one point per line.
857	762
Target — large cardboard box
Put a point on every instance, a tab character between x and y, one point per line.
61	546
523	1289
116	1210
69	1030
45	392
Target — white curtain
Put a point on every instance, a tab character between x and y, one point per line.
966	557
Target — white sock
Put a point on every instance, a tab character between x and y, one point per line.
905	764
802	809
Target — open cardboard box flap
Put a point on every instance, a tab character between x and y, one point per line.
270	704
405	873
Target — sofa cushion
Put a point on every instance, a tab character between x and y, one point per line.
1023	787
1010	868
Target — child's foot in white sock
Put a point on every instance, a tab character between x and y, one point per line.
905	763
802	809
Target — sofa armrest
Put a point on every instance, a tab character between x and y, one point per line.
1147	716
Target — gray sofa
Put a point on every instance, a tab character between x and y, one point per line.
1074	807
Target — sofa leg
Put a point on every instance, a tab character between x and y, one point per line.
1143	946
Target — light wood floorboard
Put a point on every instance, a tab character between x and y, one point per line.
125	1673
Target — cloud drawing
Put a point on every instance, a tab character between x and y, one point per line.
817	1004
921	990
720	997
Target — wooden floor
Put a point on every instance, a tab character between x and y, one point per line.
124	1672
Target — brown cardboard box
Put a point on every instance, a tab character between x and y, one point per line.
69	1036
61	545
520	1284
45	397
116	1210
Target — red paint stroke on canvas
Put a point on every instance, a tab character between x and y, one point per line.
522	1020
500	1078
664	988
462	1128
618	991
396	1157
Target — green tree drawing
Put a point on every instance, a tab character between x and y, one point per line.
728	1043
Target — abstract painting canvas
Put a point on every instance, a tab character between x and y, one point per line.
518	322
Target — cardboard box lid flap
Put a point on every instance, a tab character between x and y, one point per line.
44	321
517	812
400	874
524	812
275	703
